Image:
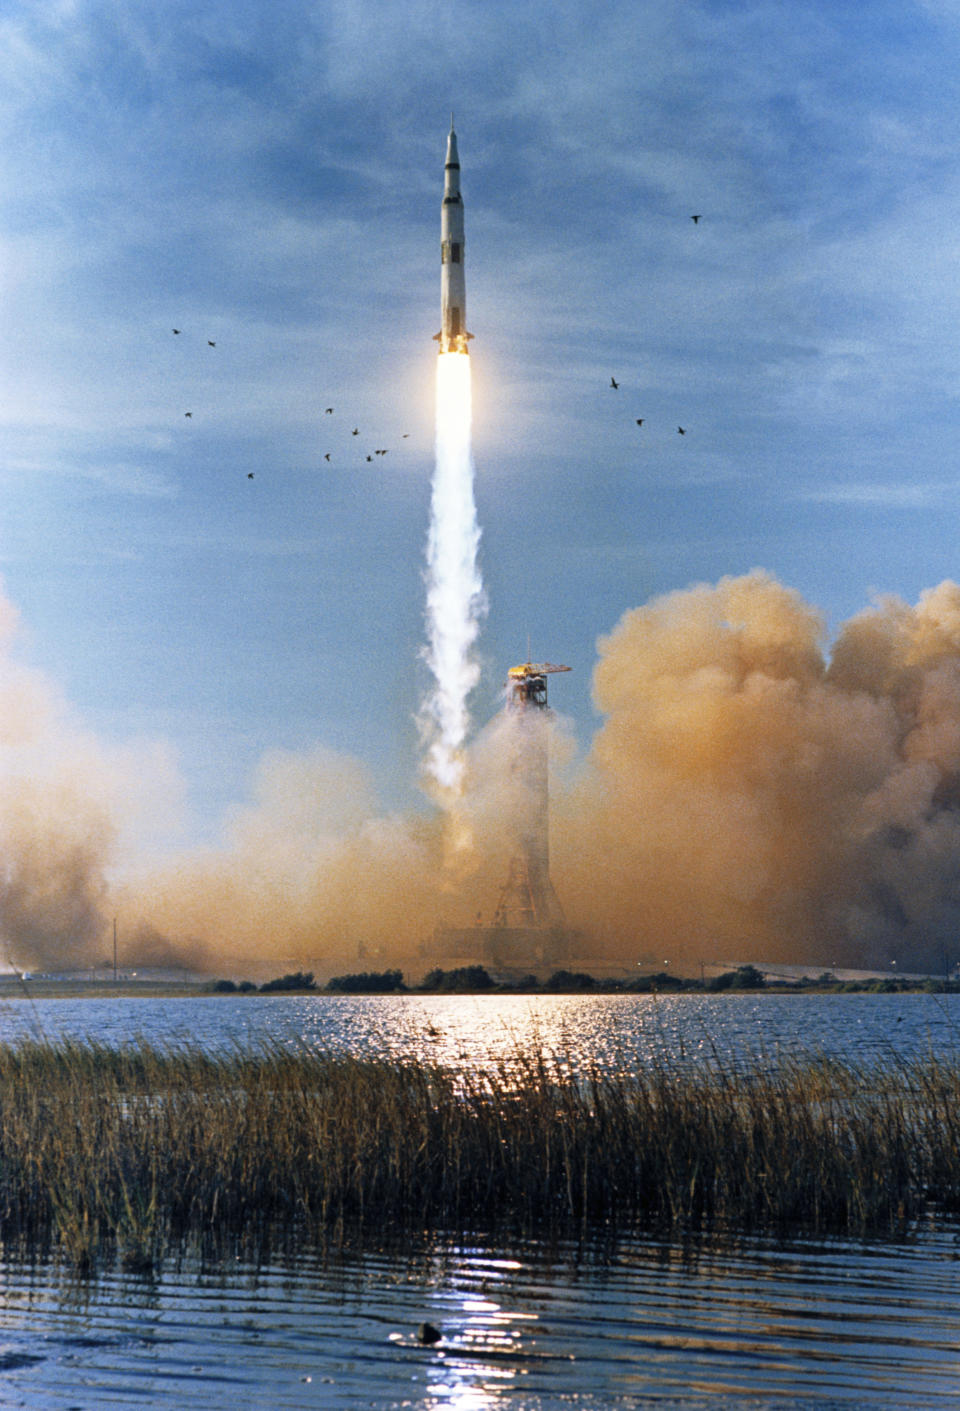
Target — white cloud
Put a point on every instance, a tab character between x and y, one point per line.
894	496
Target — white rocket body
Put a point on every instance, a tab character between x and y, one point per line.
453	333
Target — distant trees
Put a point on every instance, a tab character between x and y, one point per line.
745	977
570	980
657	981
476	979
468	979
300	980
367	983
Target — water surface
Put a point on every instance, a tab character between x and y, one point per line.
615	1031
748	1323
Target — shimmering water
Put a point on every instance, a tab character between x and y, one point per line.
725	1325
735	1323
614	1030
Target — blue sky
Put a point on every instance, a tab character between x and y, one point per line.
268	178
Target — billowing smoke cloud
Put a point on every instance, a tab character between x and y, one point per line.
59	810
309	871
311	875
747	798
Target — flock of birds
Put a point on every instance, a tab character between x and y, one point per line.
328	411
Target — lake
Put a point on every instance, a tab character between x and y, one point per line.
750	1322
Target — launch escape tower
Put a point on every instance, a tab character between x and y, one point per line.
528	898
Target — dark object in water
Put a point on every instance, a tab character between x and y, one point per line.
428	1334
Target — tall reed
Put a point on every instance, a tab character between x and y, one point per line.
137	1148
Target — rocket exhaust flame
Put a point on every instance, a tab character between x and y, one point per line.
455	597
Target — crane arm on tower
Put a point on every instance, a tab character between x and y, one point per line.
531	668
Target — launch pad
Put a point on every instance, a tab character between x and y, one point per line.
524	948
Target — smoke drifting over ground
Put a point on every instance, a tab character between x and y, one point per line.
310	874
746	797
63	802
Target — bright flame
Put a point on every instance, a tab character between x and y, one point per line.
455	597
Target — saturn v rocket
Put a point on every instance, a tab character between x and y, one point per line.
453	333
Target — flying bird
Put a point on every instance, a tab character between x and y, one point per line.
614	383
681	431
369	458
249	474
210	343
327	456
188	413
695	219
327	411
355	431
176	330
406	436
639	420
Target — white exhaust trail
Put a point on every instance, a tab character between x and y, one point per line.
455	598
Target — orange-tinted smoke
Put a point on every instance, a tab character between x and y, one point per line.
748	796
745	798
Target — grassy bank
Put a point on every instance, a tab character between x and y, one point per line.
136	1150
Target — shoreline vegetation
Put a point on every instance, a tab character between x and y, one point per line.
132	1153
476	980
465	980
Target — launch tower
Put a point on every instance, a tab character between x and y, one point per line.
528	898
528	931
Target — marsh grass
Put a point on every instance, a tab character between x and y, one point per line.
138	1149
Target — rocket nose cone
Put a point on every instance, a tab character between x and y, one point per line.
453	158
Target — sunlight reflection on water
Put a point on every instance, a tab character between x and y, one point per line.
614	1032
733	1323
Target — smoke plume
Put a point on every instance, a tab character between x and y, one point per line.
749	797
455	599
